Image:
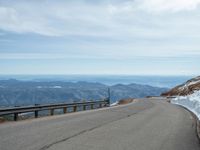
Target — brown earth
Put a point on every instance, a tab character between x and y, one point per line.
185	89
2	120
125	101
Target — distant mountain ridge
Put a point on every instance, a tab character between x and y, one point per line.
14	92
184	89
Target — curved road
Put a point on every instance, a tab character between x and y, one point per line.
146	124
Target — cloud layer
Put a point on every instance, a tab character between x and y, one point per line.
168	5
127	33
61	18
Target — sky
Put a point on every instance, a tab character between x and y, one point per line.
130	37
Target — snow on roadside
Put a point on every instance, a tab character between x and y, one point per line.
114	104
191	102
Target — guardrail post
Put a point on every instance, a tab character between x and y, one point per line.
100	105
107	103
52	112
84	107
75	108
16	117
92	106
65	110
36	114
51	107
109	96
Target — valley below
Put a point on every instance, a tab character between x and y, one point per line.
21	93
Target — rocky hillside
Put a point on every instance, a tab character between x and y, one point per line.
185	89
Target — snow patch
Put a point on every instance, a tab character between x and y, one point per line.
191	102
183	87
188	84
193	82
56	87
50	87
114	104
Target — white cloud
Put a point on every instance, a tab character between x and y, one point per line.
32	56
102	34
50	56
135	33
168	5
11	19
55	19
122	18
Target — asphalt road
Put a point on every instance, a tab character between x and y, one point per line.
142	125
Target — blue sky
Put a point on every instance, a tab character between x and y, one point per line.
142	37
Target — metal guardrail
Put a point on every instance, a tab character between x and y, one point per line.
17	110
171	97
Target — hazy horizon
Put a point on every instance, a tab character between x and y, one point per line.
156	81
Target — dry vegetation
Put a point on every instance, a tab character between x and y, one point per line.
125	101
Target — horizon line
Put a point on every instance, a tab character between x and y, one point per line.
99	75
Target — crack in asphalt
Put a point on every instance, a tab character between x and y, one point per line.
65	139
82	132
91	129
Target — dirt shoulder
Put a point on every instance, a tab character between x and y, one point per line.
125	101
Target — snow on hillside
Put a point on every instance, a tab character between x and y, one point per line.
191	102
184	89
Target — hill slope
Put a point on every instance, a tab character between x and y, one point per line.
187	88
187	95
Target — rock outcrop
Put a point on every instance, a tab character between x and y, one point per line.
185	89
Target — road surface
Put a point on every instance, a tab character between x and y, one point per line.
148	124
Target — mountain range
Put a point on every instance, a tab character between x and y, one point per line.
19	93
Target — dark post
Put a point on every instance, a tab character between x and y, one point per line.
84	107
65	110
92	106
16	117
75	108
36	114
100	105
52	112
108	99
